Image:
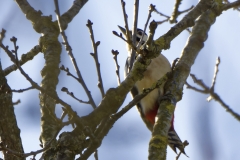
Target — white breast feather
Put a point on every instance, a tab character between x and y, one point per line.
157	68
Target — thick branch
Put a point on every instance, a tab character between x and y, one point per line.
51	49
103	129
188	21
175	85
114	96
68	16
159	140
31	14
9	131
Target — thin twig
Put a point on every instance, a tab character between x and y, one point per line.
173	18
69	50
186	10
17	102
108	123
151	9
131	104
134	32
126	22
210	91
95	57
214	79
196	89
138	97
120	36
216	97
161	22
34	84
24	58
115	54
64	89
63	68
161	14
233	5
22	90
176	12
2	35
32	153
71	119
215	74
199	82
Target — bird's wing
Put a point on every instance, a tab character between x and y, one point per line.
134	92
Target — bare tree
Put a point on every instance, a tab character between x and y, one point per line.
89	130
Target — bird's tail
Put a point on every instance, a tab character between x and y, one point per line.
175	142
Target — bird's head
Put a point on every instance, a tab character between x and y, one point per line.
140	34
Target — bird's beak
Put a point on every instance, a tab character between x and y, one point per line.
123	30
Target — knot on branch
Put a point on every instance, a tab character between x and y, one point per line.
73	143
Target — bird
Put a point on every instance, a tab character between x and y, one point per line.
148	106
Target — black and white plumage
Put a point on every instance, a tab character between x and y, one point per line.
148	106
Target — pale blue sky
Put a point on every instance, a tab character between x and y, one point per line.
213	134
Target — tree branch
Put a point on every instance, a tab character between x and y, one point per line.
95	56
134	32
22	90
151	9
187	21
231	5
176	12
126	22
210	91
51	49
68	16
69	50
180	73
103	129
10	133
24	58
64	89
115	54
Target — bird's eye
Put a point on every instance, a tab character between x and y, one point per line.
140	33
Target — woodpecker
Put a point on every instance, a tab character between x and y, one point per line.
148	106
